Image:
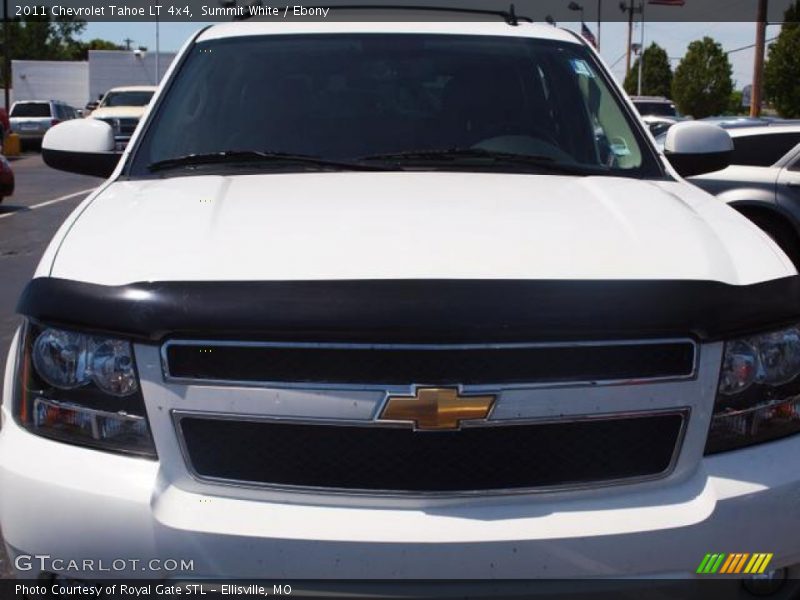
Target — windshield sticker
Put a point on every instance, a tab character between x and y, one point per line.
619	147
581	68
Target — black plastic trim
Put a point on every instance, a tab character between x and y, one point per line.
688	165
98	164
446	365
417	310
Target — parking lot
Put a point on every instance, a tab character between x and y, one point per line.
28	219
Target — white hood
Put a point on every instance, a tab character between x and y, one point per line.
409	226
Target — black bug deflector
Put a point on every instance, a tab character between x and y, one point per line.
417	311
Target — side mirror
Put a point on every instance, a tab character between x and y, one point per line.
84	146
90	106
694	148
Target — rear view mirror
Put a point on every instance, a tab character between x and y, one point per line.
84	146
693	148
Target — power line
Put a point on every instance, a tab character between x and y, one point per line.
772	39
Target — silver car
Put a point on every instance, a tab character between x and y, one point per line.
763	182
30	119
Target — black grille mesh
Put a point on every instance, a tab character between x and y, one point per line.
397	365
403	460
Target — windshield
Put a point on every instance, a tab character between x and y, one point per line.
127	99
31	109
658	109
374	96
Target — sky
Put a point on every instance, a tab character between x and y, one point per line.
675	37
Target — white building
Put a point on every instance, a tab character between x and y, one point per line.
50	80
113	68
78	82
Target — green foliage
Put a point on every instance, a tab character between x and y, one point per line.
41	38
735	104
95	44
702	84
656	73
782	71
791	16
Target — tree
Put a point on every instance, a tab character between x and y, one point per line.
782	71
735	104
791	16
82	49
702	83
656	73
41	38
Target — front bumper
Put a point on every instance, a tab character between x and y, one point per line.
28	135
72	503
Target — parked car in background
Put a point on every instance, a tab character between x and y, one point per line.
6	178
122	107
734	121
763	181
659	125
30	119
657	106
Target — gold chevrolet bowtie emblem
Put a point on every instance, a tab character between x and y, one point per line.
436	408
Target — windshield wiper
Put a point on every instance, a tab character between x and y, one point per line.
256	156
472	156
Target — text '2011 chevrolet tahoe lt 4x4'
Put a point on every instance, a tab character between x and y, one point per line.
401	300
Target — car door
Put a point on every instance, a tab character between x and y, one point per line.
788	188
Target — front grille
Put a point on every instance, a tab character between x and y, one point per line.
122	127
374	458
440	365
127	126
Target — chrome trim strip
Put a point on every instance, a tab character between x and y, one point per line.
168	378
178	415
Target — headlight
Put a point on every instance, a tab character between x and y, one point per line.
60	358
758	397
81	389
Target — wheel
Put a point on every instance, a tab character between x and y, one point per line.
781	233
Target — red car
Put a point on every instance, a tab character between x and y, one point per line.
5	125
6	178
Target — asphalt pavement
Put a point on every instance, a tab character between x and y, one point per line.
42	200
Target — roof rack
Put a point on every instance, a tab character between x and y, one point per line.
509	16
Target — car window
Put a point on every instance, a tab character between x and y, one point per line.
139	98
795	166
660	109
659	127
349	96
31	109
763	150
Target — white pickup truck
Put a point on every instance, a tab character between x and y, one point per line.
401	300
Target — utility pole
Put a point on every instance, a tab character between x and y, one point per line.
758	63
6	57
599	18
128	42
628	7
641	56
158	55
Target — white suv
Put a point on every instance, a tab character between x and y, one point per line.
31	119
400	300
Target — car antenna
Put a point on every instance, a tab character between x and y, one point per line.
512	16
